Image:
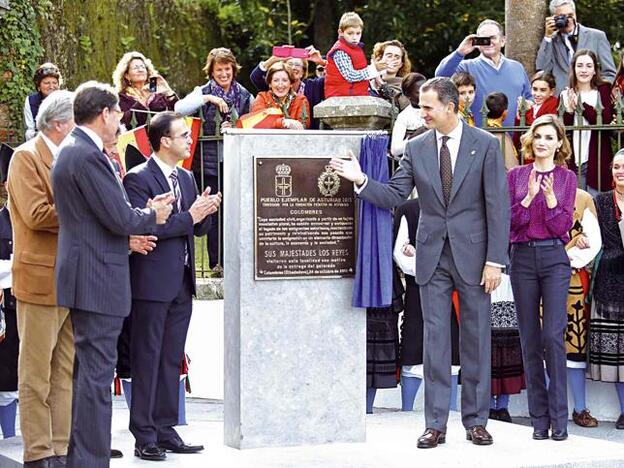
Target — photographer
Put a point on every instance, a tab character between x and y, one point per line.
492	71
563	36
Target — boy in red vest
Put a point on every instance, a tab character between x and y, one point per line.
347	71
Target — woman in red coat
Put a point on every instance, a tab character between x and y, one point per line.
295	107
587	87
545	101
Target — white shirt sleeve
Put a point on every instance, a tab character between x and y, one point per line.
29	121
191	102
591	229
405	263
397	145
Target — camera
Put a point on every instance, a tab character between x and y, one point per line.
153	84
481	41
561	21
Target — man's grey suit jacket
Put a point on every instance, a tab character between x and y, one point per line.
553	56
476	222
95	220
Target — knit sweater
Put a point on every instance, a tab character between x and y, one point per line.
510	79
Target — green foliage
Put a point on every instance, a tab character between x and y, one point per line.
20	52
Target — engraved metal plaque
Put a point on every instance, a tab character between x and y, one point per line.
304	219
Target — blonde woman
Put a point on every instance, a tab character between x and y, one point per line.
132	82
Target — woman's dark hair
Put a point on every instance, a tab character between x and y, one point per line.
545	76
277	67
410	87
91	99
160	126
596	79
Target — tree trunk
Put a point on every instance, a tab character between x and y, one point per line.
524	24
325	25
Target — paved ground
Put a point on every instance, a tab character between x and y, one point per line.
391	442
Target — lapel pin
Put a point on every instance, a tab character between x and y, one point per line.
472	153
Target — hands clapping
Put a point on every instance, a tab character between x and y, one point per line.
162	204
205	205
541	182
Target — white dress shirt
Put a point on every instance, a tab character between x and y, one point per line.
167	170
51	146
452	143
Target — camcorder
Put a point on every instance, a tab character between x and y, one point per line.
561	21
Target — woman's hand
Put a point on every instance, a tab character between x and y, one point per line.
549	194
292	124
408	250
314	55
162	86
535	182
218	102
570	100
225	125
582	242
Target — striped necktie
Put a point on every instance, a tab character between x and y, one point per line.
176	189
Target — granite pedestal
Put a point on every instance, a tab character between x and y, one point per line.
295	350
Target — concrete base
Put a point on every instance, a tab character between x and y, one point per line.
391	442
295	350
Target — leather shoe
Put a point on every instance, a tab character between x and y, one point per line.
479	435
41	463
559	434
584	419
116	453
431	438
177	445
619	424
149	452
540	434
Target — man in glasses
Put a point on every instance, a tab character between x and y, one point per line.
92	274
163	283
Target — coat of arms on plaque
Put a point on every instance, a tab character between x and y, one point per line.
328	182
283	181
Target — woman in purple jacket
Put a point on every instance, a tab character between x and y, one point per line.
542	198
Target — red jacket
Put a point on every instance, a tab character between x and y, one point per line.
549	106
335	83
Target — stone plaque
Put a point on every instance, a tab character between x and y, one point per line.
304	219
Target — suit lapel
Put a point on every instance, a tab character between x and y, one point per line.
582	38
158	175
430	161
465	158
44	151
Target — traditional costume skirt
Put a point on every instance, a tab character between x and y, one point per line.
507	369
382	347
606	342
578	320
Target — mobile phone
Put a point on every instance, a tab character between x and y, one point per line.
481	41
288	51
153	84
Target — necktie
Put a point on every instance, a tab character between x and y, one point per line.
446	170
176	189
178	197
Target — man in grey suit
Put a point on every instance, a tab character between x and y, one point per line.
92	273
560	43
461	243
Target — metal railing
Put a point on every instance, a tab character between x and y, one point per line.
611	131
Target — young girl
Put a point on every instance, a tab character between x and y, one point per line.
543	89
587	88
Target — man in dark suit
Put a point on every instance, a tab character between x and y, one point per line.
92	274
163	283
461	243
559	44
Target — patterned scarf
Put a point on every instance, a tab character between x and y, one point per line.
232	97
284	103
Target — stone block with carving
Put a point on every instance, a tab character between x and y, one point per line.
354	113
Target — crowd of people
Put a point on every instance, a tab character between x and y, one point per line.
528	255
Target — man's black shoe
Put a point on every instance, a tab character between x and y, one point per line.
559	434
150	452
540	434
177	445
116	453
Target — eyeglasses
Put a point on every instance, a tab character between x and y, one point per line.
117	111
184	135
295	65
138	67
49	71
319	68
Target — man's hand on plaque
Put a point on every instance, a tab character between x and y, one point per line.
349	168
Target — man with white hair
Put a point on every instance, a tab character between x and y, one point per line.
46	356
563	36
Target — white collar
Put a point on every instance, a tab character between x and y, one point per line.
455	134
94	136
51	146
491	63
166	169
